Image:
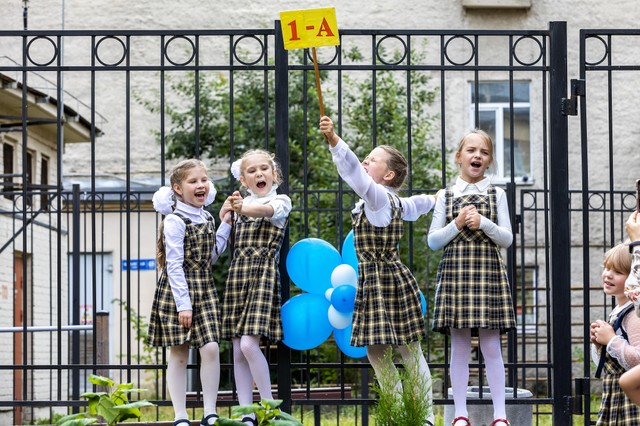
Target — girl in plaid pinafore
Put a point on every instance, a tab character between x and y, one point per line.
387	310
184	311
251	303
471	222
615	344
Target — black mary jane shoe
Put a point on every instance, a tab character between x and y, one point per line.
205	420
251	420
182	422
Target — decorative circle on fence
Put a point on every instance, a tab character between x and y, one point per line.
629	201
529	200
526	47
603	45
336	52
130	202
596	201
455	40
88	201
110	46
39	50
247	47
390	39
180	48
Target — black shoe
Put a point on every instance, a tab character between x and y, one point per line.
182	422
250	420
205	420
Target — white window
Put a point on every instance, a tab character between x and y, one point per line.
495	117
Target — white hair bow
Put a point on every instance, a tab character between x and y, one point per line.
164	199
235	169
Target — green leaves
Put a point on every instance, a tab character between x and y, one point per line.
112	406
266	412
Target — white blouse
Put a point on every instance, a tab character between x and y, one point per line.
441	232
280	203
374	196
627	352
174	229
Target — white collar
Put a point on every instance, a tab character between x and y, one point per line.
180	206
463	185
270	194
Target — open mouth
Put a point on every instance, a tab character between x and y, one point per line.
261	184
476	164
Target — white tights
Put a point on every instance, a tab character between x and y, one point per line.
249	366
382	363
459	371
209	377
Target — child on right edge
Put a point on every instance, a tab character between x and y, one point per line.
630	381
616	343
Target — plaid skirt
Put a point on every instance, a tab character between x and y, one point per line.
252	301
387	308
616	409
164	328
472	287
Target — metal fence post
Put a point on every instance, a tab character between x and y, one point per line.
559	219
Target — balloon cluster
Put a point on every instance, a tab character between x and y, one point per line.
330	280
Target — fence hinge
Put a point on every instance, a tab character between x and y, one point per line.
570	106
577	402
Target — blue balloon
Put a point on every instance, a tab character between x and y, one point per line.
304	321
310	262
423	302
343	340
343	298
349	251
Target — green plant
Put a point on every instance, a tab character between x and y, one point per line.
111	407
405	405
266	412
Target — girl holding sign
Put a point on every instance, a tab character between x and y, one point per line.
388	309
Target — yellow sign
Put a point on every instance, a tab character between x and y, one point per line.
309	28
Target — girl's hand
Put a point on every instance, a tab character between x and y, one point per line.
592	332
461	219
184	318
225	211
473	219
236	202
326	128
633	227
603	333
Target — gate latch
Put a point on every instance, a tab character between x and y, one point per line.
570	106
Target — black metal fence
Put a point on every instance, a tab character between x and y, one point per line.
80	229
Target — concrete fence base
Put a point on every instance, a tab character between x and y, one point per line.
482	414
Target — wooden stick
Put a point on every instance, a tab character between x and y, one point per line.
315	67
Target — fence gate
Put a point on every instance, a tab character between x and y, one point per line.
90	122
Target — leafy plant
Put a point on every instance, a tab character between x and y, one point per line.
266	412
110	407
406	407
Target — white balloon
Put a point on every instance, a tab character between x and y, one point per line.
344	274
327	294
339	320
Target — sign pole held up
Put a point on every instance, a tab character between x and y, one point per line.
310	28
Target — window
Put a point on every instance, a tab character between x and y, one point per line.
7	171
526	303
496	118
44	181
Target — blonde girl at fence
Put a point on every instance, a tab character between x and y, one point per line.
185	312
471	222
615	343
251	304
387	309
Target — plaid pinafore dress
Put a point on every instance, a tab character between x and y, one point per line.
387	308
472	287
616	408
164	328
251	303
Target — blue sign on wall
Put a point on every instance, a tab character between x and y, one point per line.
139	265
